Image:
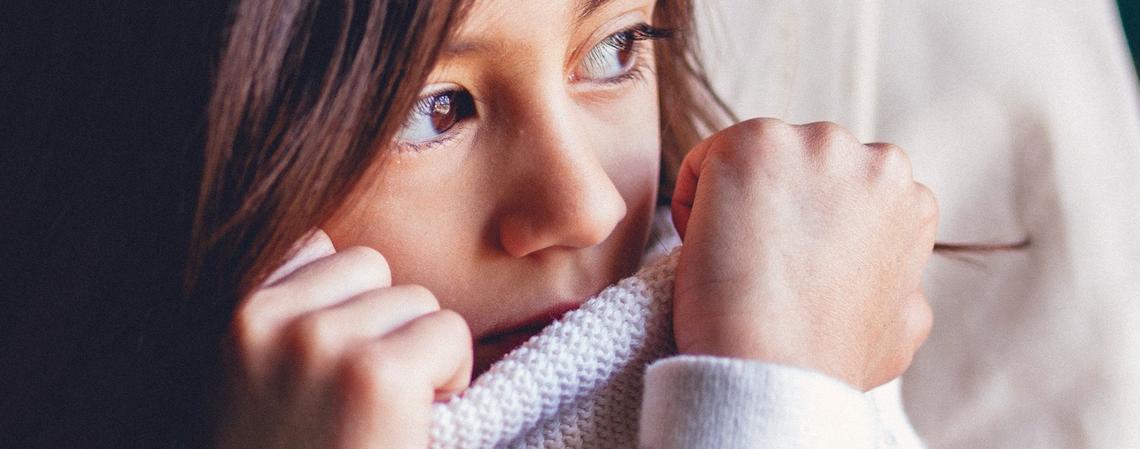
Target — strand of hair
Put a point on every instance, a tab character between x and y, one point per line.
981	247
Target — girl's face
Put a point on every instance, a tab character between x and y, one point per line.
525	178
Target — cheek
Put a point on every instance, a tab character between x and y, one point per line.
415	228
632	150
634	170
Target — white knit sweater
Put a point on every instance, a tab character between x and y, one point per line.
606	376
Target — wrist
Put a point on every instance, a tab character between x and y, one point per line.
794	347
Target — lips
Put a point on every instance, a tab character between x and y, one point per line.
502	339
498	345
529	326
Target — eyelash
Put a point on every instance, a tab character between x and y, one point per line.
419	147
411	148
638	33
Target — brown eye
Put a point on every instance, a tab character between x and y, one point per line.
611	58
435	114
616	58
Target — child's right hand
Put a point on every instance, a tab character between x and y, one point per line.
804	247
329	354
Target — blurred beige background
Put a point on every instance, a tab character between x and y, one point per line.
1022	116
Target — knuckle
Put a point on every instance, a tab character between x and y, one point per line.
318	331
750	144
312	340
894	164
372	376
365	376
420	295
366	255
827	135
923	321
454	324
760	126
250	328
369	259
928	207
451	325
829	146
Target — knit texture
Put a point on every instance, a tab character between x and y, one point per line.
578	383
725	403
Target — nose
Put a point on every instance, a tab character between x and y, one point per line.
563	197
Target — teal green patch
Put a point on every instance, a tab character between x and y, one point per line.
1130	13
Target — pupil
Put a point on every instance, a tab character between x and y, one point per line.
442	114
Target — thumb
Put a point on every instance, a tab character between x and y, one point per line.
685	190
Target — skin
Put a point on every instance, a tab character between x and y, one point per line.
541	200
802	245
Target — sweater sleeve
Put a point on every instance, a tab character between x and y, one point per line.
702	401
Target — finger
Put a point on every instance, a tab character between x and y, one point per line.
925	207
378	312
928	210
321	337
436	347
910	331
891	163
879	148
901	340
919	320
367	316
325	282
387	386
685	189
314	245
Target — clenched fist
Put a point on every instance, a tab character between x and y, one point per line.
329	354
804	247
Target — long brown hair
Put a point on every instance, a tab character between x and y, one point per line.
308	93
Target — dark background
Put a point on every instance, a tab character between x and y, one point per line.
100	116
1130	13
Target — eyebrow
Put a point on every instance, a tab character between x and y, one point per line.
587	7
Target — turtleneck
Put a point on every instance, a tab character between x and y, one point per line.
607	376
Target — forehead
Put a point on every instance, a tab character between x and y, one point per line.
508	19
581	9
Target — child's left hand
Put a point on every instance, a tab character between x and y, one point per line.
329	354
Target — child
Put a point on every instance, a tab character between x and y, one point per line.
395	195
